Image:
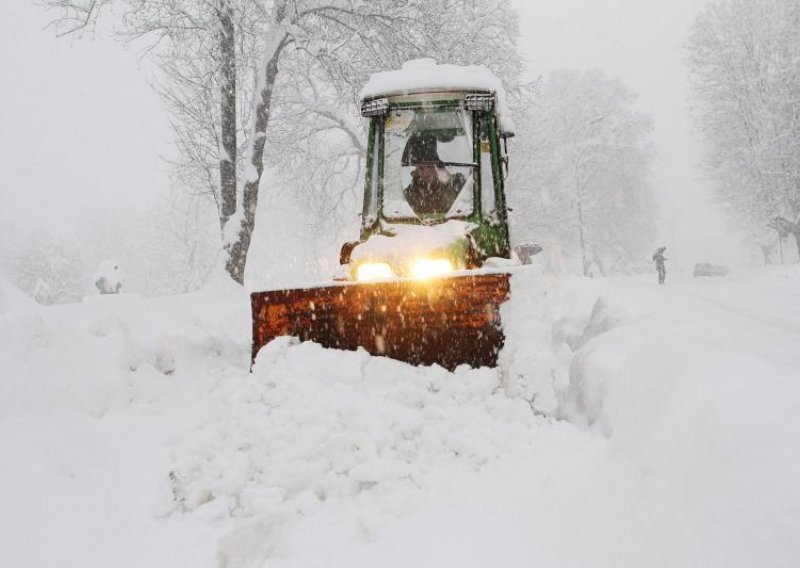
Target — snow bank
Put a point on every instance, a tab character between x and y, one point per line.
94	355
313	431
541	321
90	394
22	329
695	386
319	452
134	435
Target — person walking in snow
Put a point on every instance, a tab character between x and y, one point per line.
432	190
660	259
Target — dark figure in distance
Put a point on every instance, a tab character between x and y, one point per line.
432	190
660	259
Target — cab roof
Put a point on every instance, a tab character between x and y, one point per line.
425	76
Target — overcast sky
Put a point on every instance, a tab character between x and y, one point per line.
82	130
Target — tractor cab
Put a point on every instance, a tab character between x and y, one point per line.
436	153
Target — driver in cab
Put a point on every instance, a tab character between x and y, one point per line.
432	190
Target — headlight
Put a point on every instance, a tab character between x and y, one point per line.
373	271
430	267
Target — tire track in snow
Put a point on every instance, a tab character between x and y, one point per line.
749	314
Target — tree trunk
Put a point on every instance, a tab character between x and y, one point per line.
584	260
599	262
227	91
239	249
766	252
796	233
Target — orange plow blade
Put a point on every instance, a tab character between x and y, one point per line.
448	321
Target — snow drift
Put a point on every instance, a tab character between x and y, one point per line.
135	435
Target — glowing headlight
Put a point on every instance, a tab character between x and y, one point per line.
373	271
430	267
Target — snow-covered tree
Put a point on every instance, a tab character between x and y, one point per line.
222	56
582	174
230	68
181	245
743	58
48	269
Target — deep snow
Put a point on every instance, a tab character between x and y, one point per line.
629	425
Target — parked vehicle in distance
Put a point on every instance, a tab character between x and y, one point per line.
708	269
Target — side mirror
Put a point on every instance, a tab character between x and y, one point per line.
347	250
504	136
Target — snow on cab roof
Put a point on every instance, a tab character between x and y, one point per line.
425	75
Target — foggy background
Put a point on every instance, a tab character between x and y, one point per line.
85	139
644	44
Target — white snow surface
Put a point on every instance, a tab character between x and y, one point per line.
628	425
425	75
412	241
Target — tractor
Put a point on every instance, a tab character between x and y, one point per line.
425	281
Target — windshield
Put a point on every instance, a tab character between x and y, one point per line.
428	167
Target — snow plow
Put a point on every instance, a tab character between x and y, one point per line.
419	283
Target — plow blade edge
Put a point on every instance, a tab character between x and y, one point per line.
449	321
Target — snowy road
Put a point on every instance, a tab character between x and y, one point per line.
631	425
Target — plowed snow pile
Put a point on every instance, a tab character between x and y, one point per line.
629	425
